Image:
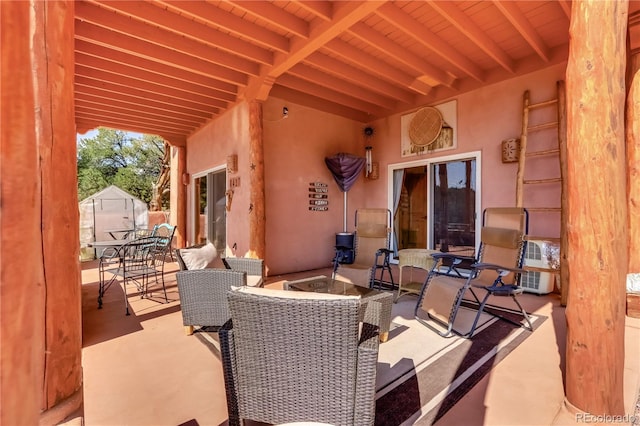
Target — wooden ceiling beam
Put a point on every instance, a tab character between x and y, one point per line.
319	103
98	35
421	34
183	27
159	37
159	68
346	15
89	123
170	126
136	91
90	90
322	9
143	113
331	82
566	7
274	15
359	77
433	75
334	96
147	86
98	102
147	76
512	12
466	26
230	22
385	71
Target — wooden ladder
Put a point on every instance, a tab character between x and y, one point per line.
527	152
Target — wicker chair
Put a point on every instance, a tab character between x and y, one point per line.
299	357
203	296
253	267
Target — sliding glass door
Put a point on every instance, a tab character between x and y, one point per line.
210	221
435	204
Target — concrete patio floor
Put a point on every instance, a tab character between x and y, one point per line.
143	370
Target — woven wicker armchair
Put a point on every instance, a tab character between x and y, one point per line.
253	267
203	296
299	357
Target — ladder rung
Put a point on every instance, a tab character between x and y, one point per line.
535	181
543	104
538	269
551	239
544	209
544	152
543	126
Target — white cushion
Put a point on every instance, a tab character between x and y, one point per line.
201	257
289	294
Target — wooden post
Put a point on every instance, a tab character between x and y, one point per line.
597	206
257	217
633	164
21	269
40	289
54	60
178	202
562	149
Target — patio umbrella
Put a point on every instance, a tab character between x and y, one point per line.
345	169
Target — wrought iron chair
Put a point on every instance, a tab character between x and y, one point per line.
203	296
372	252
496	271
133	263
295	356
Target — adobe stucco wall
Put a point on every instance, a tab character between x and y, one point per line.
295	147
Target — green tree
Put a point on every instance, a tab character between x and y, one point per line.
113	157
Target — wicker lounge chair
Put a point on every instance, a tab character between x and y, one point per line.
299	357
203	296
253	267
494	272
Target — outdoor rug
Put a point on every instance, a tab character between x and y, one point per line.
422	375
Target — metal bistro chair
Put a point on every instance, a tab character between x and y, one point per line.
133	263
496	272
299	357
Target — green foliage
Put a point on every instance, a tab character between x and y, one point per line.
112	157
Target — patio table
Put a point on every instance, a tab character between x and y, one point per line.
322	284
125	233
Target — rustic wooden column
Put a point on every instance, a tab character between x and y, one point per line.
633	163
178	198
22	294
41	298
597	207
257	217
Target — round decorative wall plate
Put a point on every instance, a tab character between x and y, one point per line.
425	126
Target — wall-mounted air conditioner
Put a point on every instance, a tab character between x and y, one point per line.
536	281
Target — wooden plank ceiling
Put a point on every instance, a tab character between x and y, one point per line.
168	67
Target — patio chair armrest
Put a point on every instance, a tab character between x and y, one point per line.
230	370
245	264
502	270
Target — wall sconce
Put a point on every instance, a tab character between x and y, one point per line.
510	150
369	163
185	178
232	163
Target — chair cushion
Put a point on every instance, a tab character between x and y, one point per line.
500	237
288	294
201	257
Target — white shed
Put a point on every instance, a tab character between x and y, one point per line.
107	214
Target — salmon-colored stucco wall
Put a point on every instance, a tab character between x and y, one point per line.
207	150
485	117
295	148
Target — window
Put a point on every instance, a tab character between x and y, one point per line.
210	220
